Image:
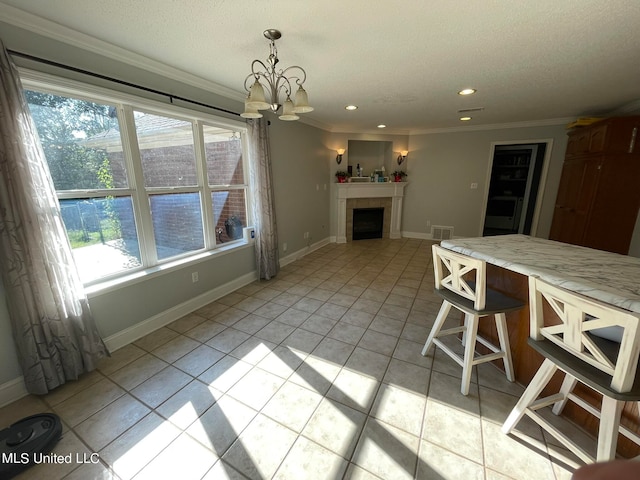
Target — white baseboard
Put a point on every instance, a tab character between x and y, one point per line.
15	389
139	330
12	390
420	235
292	257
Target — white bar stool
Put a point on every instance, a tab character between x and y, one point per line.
595	344
475	300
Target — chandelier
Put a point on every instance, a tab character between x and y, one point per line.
276	83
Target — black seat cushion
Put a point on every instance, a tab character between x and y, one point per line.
586	373
496	302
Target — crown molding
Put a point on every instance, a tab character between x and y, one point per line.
466	128
55	31
497	126
627	108
372	131
314	123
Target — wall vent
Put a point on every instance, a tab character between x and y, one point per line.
441	232
468	110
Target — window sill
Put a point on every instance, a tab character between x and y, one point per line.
139	276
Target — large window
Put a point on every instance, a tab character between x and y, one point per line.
139	185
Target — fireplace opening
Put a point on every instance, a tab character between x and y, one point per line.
367	223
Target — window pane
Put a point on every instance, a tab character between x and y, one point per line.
223	150
102	235
230	214
177	223
81	141
166	148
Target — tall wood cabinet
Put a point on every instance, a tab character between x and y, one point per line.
599	192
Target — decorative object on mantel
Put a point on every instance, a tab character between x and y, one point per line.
342	176
402	157
398	175
275	82
340	152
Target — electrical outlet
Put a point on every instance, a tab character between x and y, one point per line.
306	235
284	247
474	185
194	277
428	223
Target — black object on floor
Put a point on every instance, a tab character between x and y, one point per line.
26	441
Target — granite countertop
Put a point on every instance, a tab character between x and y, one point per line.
608	277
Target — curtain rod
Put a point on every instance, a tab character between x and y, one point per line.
115	80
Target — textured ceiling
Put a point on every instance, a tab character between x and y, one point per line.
400	62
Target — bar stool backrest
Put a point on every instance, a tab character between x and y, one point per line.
452	271
580	315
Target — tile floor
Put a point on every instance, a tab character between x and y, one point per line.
316	374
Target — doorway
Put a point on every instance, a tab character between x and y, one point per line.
514	185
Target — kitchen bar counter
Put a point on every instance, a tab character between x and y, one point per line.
608	277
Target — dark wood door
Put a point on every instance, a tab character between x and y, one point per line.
615	205
578	184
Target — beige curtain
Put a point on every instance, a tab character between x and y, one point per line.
55	334
261	184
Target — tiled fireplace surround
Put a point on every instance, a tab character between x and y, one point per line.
348	196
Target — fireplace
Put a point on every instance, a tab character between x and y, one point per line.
367	223
349	196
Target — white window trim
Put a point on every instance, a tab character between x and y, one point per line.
32	79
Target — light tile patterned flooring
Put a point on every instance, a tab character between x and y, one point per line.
315	374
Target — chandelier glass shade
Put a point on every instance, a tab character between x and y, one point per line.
266	86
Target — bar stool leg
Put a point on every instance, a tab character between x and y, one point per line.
437	325
538	382
608	431
471	332
503	336
567	387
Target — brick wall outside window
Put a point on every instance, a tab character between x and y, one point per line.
174	218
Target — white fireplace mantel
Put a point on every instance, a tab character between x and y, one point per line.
344	191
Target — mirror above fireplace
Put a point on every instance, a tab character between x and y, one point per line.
371	155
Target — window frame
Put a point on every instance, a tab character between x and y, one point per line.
140	194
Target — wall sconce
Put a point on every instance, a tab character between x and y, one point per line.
339	156
402	156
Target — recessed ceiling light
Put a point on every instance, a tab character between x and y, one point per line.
465	119
467	91
382	125
351	107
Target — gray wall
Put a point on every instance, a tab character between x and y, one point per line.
119	309
442	166
299	156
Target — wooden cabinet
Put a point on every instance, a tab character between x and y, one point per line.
599	193
577	188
